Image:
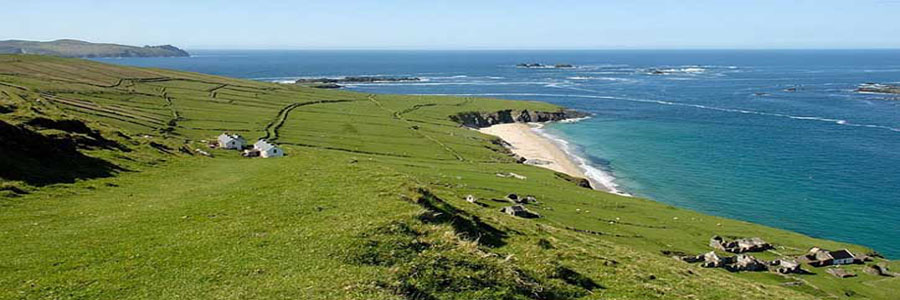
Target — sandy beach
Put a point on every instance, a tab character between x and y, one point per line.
539	150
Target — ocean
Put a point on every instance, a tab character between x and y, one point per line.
776	137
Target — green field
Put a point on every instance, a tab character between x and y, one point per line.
105	196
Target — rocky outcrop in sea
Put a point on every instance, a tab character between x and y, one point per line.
878	88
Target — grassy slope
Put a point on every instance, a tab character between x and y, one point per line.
368	204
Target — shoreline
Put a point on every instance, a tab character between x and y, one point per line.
541	149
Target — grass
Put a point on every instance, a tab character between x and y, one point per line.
368	204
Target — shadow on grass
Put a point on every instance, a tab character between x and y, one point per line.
469	225
428	265
40	160
85	136
572	277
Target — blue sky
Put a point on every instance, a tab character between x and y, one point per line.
461	24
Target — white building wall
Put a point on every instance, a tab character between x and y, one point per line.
273	152
844	261
226	142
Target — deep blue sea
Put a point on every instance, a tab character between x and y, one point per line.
773	137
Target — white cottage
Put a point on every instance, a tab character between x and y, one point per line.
267	150
842	257
231	141
820	258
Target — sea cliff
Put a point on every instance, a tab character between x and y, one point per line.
485	119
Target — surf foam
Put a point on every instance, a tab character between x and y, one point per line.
596	175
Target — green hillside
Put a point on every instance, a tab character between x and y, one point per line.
76	48
105	193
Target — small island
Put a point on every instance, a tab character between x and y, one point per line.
82	49
878	88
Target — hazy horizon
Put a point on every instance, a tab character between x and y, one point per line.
464	25
481	49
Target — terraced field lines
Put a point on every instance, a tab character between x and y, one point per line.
399	116
276	124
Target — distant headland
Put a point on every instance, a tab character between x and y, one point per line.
76	48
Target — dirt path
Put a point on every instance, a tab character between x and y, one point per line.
273	127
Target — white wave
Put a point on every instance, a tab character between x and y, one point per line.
217	55
295	78
555	84
596	175
448	77
625	72
693	70
698	106
683	70
436	83
276	79
456	77
597	78
881	71
606	66
573	120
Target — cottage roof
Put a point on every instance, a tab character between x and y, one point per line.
788	263
841	254
226	136
263	145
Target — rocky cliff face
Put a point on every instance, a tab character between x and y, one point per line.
485	119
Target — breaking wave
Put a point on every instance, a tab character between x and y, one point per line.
598	78
605	179
697	106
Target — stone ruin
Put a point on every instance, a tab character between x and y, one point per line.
737	263
520	211
753	244
514	198
840	273
879	270
786	266
744	262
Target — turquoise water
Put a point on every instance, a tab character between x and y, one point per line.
719	131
